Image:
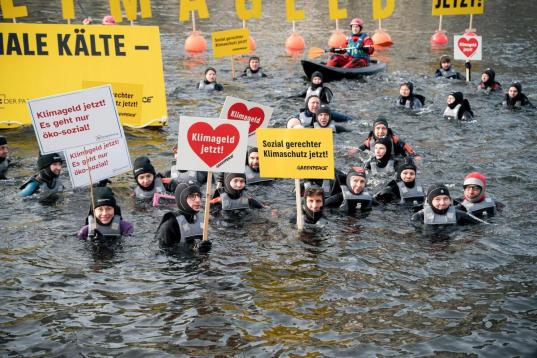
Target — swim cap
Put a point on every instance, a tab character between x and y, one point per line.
182	191
143	165
409	84
459	97
104	196
435	190
3	140
385	141
317	74
407	163
355	172
517	85
380	120
109	20
475	178
492	75
44	161
324	109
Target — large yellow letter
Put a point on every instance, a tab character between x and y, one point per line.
292	13
245	14
131	9
186	6
11	11
335	12
380	12
68	9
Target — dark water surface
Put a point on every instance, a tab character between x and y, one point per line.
368	287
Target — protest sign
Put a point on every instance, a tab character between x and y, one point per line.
467	48
231	42
457	7
296	153
104	160
256	114
212	144
75	119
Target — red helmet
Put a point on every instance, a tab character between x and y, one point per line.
357	21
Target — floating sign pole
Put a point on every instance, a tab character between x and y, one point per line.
91	191
299	217
233	68
207	206
468	67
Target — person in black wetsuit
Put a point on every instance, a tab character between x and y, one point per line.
184	227
251	169
488	82
148	182
47	181
233	198
354	195
404	189
458	107
323	119
382	161
446	69
254	69
515	99
407	97
209	83
4	160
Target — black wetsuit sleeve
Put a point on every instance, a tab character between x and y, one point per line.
254	204
417	218
168	233
341	129
334	201
302	94
389	193
464	218
438	73
326	95
218	87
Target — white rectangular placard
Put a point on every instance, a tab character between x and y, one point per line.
104	159
75	119
256	114
212	144
467	48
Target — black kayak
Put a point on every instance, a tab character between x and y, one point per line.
338	73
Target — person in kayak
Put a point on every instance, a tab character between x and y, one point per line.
357	50
209	83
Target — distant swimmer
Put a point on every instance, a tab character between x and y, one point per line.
209	82
446	69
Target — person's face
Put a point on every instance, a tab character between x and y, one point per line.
253	160
323	119
450	99
357	184
56	168
512	91
104	213
408	175
313	104
472	192
194	201
446	65
254	64
404	91
441	202
484	77
355	29
210	76
237	183
380	150
316	80
380	130
314	203
4	150
145	180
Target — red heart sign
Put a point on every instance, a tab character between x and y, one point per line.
467	46
239	111
213	145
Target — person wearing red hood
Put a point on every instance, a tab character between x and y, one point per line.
356	51
488	82
475	201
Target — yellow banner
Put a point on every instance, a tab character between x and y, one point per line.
296	153
39	60
231	42
458	7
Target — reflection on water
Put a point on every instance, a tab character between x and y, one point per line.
364	286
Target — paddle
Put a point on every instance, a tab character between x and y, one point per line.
317	51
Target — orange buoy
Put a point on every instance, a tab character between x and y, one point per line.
195	43
252	45
439	38
295	42
337	39
381	38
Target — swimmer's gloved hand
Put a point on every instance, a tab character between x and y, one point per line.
97	235
204	246
102	183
